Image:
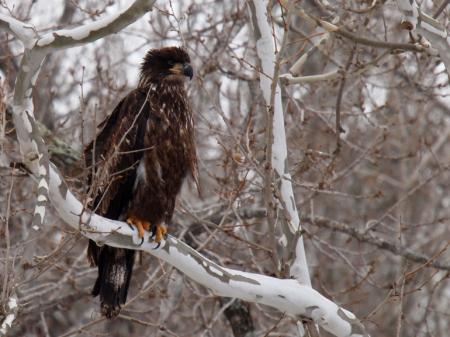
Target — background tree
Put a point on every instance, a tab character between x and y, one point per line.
364	99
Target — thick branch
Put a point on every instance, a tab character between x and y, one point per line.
283	294
368	42
22	31
441	8
66	38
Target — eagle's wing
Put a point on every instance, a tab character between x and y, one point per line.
117	150
112	158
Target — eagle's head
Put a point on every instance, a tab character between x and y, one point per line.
170	64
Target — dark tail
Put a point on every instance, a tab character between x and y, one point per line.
115	266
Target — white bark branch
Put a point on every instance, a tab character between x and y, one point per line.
431	29
286	295
66	38
291	242
22	31
289	79
297	67
10	315
293	76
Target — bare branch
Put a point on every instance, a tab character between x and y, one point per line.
364	236
441	8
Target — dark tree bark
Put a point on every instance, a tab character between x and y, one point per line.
239	316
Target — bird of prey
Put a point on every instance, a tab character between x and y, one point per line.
137	164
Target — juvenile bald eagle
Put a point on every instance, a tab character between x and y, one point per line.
137	165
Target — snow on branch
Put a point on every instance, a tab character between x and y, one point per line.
32	146
66	38
10	315
430	30
286	295
291	241
22	31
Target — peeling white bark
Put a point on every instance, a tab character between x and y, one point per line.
286	295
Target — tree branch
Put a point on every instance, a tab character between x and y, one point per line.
291	242
364	236
67	38
353	232
441	8
285	295
10	315
22	31
428	27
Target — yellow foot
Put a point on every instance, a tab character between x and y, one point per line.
140	224
159	232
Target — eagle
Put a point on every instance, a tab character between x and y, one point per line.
137	164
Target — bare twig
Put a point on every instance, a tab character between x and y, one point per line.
441	8
6	288
339	128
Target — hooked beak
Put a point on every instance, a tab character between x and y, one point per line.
188	71
182	69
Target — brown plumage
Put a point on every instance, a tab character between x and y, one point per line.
142	155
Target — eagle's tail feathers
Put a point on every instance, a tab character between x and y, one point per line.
92	253
115	266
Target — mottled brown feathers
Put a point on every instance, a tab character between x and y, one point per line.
142	156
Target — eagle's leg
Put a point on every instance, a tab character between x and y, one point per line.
140	224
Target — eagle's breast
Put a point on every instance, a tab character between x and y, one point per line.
169	152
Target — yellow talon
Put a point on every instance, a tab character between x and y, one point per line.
160	232
140	224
